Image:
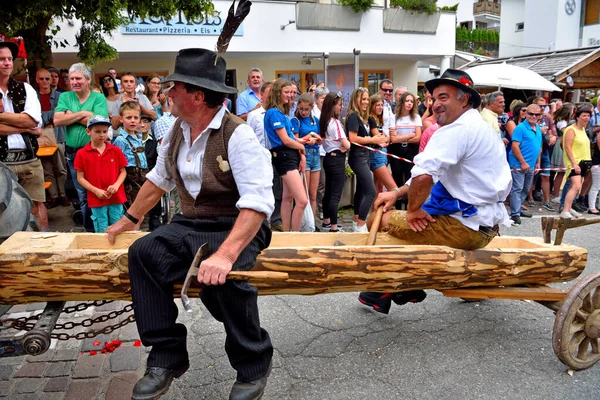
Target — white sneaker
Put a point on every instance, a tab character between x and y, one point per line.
565	214
361	229
556	200
575	213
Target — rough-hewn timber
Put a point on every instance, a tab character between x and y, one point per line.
38	267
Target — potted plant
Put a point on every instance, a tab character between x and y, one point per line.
420	16
344	16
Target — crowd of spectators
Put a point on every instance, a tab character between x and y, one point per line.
314	147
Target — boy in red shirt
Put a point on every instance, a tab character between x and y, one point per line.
101	171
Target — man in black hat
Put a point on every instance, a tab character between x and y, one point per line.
20	121
224	180
465	171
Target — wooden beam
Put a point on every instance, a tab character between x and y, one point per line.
590	58
78	266
542	293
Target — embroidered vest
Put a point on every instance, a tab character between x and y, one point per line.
18	96
218	194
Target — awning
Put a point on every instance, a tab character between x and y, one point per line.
581	64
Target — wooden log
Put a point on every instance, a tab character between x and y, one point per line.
78	266
539	293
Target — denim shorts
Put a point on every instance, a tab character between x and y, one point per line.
313	160
545	162
377	160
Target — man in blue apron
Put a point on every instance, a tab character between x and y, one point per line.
465	171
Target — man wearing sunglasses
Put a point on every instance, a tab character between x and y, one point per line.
386	88
523	158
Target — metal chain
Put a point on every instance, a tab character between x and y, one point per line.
23	323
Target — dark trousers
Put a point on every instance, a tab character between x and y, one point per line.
335	176
365	185
163	257
277	193
401	169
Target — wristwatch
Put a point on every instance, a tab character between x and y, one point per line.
131	217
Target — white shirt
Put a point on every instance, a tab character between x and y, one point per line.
248	160
406	125
335	132
32	108
471	164
388	118
317	114
256	120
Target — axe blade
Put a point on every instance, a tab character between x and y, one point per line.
192	274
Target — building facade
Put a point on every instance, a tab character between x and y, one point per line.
288	39
532	26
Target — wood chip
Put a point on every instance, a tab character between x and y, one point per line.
44	236
570	372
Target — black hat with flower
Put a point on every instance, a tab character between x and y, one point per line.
457	78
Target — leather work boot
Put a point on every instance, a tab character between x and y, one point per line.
252	390
156	382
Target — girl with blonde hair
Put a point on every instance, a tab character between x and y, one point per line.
288	153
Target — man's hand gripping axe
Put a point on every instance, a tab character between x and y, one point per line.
191	275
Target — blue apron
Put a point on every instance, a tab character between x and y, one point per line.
442	203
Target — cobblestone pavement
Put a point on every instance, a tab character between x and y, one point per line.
331	347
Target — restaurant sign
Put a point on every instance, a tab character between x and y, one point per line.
178	25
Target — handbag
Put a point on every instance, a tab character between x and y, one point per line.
308	218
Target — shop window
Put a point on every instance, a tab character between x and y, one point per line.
304	79
519	26
372	79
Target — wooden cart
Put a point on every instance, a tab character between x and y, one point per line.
38	267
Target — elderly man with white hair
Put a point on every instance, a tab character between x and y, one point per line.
73	110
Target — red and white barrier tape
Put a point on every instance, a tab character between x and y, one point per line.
558	169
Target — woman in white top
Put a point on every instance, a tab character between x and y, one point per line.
335	145
561	118
405	141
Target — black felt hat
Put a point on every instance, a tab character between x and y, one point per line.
197	67
458	78
13	47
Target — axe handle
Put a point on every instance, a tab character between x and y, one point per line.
262	275
375	227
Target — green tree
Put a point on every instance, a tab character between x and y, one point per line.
38	23
484	36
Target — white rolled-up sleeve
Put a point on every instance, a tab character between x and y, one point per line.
160	175
33	108
252	171
445	149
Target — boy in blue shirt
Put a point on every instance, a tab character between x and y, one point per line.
131	144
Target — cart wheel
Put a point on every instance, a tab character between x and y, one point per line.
576	333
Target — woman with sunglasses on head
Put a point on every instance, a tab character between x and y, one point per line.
154	93
378	161
335	144
577	157
357	126
519	112
287	152
405	141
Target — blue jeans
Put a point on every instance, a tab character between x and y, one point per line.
313	160
521	181
563	195
81	194
105	216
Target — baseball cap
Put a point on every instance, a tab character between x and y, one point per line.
98	120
